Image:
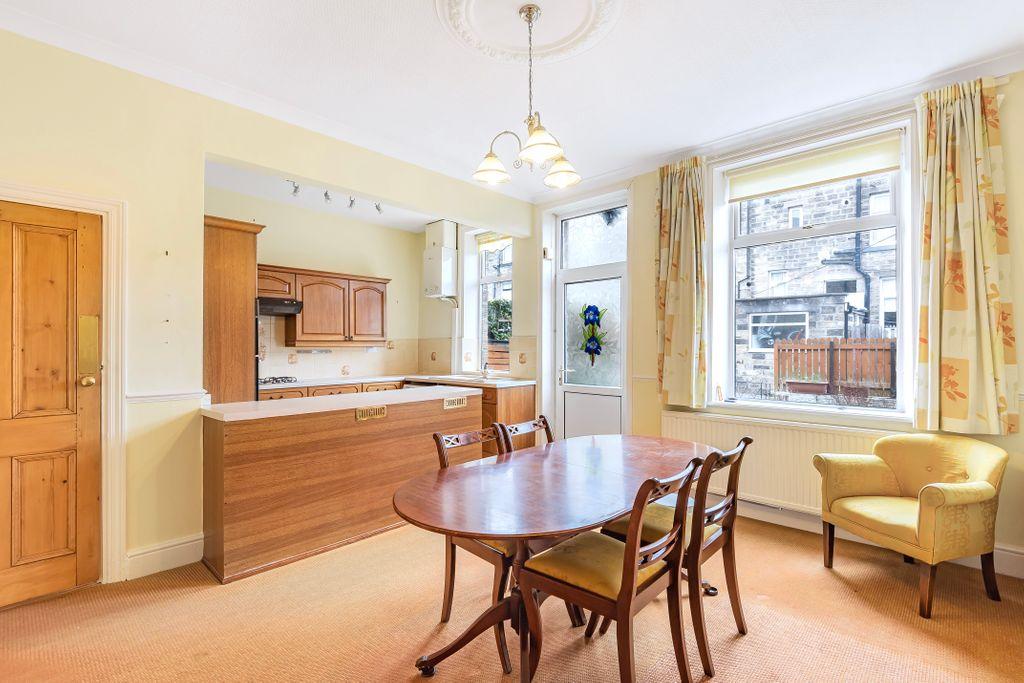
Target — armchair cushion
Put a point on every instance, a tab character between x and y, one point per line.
846	475
887	515
591	561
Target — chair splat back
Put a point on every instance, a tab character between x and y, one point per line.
522	428
446	442
670	546
722	513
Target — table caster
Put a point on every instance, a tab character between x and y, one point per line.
426	670
709	590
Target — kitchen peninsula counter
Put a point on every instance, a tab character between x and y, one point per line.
283	480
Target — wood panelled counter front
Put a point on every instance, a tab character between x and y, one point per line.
278	489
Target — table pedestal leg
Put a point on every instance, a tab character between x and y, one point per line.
495	615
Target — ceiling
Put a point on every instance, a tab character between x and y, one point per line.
279	188
622	83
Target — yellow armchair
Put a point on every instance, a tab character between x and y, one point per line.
931	497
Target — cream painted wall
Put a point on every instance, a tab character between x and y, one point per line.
302	238
643	249
73	124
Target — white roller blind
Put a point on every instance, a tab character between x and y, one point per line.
875	154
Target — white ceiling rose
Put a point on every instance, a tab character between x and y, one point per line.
492	28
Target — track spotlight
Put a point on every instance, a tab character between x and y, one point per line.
327	197
295	188
351	202
380	209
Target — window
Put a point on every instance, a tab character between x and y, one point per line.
495	315
777	280
594	239
796	217
767	328
807	248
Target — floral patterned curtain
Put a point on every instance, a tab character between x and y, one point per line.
682	286
967	358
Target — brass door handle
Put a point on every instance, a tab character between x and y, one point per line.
87	381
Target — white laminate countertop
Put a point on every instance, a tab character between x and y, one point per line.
331	381
453	380
257	410
472	381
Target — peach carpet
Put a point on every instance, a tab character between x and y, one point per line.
366	611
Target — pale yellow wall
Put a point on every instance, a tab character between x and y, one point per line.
302	238
73	124
643	246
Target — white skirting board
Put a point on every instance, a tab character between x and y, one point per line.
1009	559
163	556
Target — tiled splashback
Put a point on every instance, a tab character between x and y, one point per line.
278	360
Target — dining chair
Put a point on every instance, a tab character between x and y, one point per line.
616	579
709	530
523	428
576	615
498	553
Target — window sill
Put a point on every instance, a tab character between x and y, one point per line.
862	418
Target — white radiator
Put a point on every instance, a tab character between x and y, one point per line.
777	467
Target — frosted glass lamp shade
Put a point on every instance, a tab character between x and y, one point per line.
491	171
540	146
562	174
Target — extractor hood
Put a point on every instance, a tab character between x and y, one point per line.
268	305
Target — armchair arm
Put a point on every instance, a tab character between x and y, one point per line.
957	519
844	475
959	493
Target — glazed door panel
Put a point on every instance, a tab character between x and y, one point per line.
366	311
50	379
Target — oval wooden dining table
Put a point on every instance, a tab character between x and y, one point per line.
544	492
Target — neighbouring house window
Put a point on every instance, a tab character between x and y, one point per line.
796	216
777	280
812	254
767	328
495	317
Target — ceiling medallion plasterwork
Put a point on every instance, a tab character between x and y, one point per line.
462	18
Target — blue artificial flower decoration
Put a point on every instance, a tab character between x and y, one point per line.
591	316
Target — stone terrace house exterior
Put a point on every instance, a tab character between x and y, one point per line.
840	286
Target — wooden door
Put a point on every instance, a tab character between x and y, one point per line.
50	379
324	316
275	282
367	319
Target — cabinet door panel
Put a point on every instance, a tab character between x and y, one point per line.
334	391
276	394
367	303
324	316
276	283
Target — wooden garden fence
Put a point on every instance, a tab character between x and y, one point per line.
832	366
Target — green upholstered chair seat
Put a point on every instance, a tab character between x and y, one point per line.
590	561
657	524
891	515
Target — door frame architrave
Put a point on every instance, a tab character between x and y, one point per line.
113	401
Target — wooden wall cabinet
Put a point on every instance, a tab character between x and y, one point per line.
275	282
337	309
